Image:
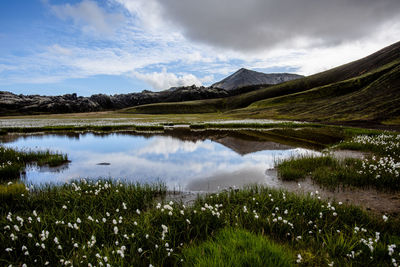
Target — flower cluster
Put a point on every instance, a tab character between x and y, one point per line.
381	167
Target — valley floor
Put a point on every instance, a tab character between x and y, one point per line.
105	223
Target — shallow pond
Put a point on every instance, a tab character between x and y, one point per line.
183	160
186	161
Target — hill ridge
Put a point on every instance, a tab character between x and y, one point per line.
245	77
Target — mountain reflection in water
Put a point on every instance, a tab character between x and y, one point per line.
183	159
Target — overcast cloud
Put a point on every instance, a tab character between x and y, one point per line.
262	24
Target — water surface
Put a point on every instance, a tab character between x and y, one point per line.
187	161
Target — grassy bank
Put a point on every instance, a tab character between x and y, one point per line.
330	172
12	161
253	125
118	224
380	168
67	128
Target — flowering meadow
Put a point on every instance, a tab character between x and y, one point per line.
108	223
380	168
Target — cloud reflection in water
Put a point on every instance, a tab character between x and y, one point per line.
200	165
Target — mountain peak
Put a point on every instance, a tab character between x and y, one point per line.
242	70
245	77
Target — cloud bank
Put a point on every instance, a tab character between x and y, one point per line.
262	24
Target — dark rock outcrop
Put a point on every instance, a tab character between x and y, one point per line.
12	104
245	77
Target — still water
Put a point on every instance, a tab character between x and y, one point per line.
186	161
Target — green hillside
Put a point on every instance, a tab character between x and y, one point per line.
366	89
371	97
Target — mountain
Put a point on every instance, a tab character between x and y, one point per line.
365	90
241	81
244	77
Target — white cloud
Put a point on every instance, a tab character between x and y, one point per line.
148	13
168	145
89	15
165	80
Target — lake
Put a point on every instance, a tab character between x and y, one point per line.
184	160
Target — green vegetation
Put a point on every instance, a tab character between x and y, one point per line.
237	247
68	128
381	169
369	97
104	222
253	125
12	162
331	173
185	107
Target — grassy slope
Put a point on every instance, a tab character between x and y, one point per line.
372	97
372	70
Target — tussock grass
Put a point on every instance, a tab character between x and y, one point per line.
10	191
380	170
104	222
237	247
12	162
330	172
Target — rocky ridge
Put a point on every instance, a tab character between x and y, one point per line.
11	104
244	78
239	82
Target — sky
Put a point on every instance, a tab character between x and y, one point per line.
54	47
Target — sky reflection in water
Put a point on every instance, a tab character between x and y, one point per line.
202	165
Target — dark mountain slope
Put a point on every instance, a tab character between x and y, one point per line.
244	77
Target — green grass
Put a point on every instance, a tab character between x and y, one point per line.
370	97
67	128
10	191
332	173
249	125
237	247
12	161
163	234
381	169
